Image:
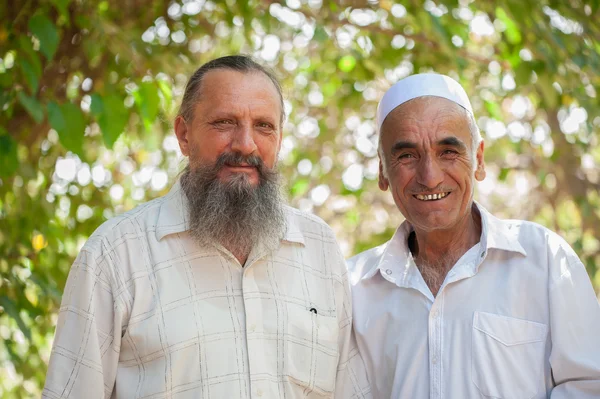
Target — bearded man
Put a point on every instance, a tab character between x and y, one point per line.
459	303
218	289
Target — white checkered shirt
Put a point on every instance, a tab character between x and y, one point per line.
147	313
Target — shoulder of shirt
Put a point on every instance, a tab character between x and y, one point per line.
138	220
361	264
307	222
536	238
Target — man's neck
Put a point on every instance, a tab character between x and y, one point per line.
436	252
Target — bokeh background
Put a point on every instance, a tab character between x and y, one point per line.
89	90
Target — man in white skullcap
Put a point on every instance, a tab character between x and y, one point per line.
460	304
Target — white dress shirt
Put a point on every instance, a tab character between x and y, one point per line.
516	317
148	313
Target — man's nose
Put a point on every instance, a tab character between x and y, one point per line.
429	173
243	140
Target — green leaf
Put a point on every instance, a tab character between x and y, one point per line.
352	217
513	35
13	311
503	174
69	122
30	75
112	116
167	93
32	106
441	30
300	187
27	48
347	63
147	99
523	74
494	109
55	117
62	6
548	93
9	161
46	33
320	34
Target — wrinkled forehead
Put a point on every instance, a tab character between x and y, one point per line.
427	110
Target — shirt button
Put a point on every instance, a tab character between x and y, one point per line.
252	327
434	360
435	314
388	271
259	392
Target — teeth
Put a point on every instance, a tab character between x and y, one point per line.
430	197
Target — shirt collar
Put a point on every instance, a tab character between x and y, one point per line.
173	217
499	234
396	257
396	254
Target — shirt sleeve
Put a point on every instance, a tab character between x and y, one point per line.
85	353
575	328
351	380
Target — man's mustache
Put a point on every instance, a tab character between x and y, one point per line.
237	159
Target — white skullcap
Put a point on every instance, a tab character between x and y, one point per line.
423	84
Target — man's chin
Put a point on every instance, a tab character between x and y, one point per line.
244	178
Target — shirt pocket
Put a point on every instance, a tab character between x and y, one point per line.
507	355
312	352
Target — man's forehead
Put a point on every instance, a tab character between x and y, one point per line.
224	78
226	86
426	110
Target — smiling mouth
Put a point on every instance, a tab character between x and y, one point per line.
431	197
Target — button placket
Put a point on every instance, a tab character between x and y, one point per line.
435	342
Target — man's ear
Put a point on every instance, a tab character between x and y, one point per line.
383	181
480	171
181	131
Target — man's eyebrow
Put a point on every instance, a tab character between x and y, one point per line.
403	145
453	142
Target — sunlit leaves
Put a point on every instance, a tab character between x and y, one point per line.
29	63
147	100
13	311
167	94
62	7
9	161
512	32
347	63
46	33
300	187
333	67
111	115
31	77
32	105
69	122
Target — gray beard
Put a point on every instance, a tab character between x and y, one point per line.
236	214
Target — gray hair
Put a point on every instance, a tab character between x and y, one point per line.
240	63
234	213
476	138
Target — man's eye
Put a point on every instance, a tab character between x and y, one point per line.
264	125
223	122
405	156
449	152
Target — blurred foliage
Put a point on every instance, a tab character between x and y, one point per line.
89	89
